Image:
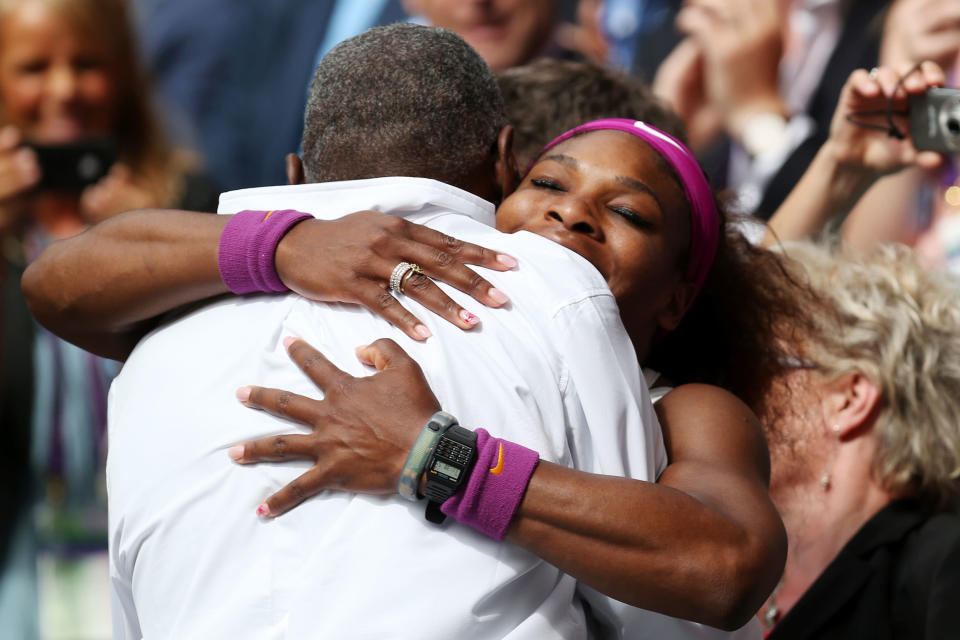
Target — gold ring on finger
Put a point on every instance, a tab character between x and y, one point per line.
412	271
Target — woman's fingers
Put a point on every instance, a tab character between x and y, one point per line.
383	303
425	291
444	258
274	449
306	486
19	168
464	252
446	267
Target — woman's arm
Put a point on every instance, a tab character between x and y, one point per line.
704	543
104	288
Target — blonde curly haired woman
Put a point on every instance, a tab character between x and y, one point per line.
864	436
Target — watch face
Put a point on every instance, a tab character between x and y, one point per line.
450	471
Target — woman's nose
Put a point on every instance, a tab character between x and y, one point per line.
62	83
575	215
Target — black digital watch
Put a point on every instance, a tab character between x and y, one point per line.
449	467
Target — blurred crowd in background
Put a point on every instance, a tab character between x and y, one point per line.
188	98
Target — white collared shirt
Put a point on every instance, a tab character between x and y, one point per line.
554	371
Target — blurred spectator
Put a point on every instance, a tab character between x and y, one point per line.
765	77
917	207
865	452
505	33
630	35
858	152
68	76
234	73
548	97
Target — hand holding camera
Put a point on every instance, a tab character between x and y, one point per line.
19	169
872	122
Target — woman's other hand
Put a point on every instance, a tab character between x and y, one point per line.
864	99
350	260
742	43
117	192
361	432
918	30
19	169
680	82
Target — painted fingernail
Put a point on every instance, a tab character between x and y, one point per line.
508	261
243	394
235	452
422	331
263	511
468	317
498	296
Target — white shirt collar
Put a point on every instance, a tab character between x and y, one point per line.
397	195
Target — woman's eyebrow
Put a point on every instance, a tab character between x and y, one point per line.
566	161
636	185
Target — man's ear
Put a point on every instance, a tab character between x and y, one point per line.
851	403
680	300
294	169
505	167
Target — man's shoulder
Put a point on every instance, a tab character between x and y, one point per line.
557	275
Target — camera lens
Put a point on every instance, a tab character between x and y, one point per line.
953	126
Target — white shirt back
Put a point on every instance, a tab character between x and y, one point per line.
554	371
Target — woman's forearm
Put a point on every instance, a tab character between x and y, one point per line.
825	194
102	288
704	543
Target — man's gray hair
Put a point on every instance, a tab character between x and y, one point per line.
401	100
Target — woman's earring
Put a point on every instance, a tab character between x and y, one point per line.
825	478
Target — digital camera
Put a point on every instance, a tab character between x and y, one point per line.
73	166
935	121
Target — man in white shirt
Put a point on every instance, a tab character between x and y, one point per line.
188	559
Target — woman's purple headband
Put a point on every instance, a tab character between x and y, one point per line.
704	217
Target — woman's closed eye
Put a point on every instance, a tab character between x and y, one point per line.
632	217
29	67
547	183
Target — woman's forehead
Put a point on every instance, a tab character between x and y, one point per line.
619	153
624	156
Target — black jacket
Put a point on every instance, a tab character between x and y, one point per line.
898	577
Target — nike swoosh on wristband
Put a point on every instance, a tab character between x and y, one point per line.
498	468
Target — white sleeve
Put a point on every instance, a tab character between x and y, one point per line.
612	427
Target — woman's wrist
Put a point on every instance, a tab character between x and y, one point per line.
247	251
846	180
489	498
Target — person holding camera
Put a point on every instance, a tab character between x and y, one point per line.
78	143
861	149
919	206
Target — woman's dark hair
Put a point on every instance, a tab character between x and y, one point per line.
740	330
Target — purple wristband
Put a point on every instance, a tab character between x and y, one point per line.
495	487
248	245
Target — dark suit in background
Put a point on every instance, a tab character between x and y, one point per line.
232	76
